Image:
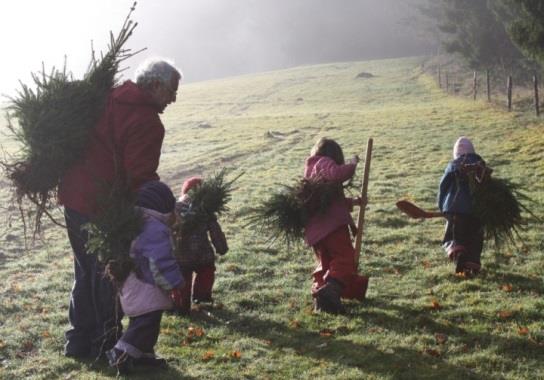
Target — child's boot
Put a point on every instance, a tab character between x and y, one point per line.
120	360
327	298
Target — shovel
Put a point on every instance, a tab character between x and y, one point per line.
416	212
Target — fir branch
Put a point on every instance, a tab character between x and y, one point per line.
499	204
54	120
208	201
285	214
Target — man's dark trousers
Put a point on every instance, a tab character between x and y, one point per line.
95	315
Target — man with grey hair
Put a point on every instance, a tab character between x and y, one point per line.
126	142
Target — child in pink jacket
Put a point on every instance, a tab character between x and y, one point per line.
329	233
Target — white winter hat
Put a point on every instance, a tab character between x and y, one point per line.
462	146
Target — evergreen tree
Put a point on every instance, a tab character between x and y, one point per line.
471	29
524	21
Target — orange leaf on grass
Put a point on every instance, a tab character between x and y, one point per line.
506	288
46	334
195	331
505	314
326	332
523	331
432	352
208	355
236	354
435	305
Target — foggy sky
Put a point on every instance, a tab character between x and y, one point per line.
206	38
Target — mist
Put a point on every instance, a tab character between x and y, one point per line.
207	39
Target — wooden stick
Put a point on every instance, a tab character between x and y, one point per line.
361	217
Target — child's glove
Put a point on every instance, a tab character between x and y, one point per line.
354	160
175	296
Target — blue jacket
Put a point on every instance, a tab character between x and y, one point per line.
152	252
454	194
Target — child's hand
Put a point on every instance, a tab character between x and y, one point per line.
354	160
175	296
361	201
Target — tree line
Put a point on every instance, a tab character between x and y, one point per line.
507	35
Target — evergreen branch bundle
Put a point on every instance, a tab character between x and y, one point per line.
496	202
284	215
53	123
208	201
112	230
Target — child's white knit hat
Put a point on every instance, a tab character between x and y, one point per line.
462	146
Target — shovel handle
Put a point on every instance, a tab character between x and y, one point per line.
364	190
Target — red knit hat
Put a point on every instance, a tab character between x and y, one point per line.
189	184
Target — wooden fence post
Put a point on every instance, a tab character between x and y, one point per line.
488	85
439	77
537	100
474	85
447	83
509	92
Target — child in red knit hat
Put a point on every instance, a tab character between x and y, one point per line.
195	250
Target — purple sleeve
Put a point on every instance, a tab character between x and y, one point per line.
162	263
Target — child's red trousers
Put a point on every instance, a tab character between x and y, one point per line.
336	259
200	287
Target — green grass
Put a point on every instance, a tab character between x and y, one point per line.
419	322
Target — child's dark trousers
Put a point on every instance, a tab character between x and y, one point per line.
141	335
463	241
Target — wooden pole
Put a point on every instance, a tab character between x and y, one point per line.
509	92
447	83
537	100
439	77
474	85
488	85
361	216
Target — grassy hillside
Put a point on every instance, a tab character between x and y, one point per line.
419	322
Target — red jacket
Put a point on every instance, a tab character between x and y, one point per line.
338	213
129	129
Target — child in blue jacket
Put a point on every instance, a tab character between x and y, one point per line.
463	240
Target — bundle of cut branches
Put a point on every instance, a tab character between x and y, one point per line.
284	215
497	203
53	123
112	230
207	201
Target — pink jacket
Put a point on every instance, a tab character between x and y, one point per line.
338	214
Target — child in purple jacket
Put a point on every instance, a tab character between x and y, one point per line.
153	284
